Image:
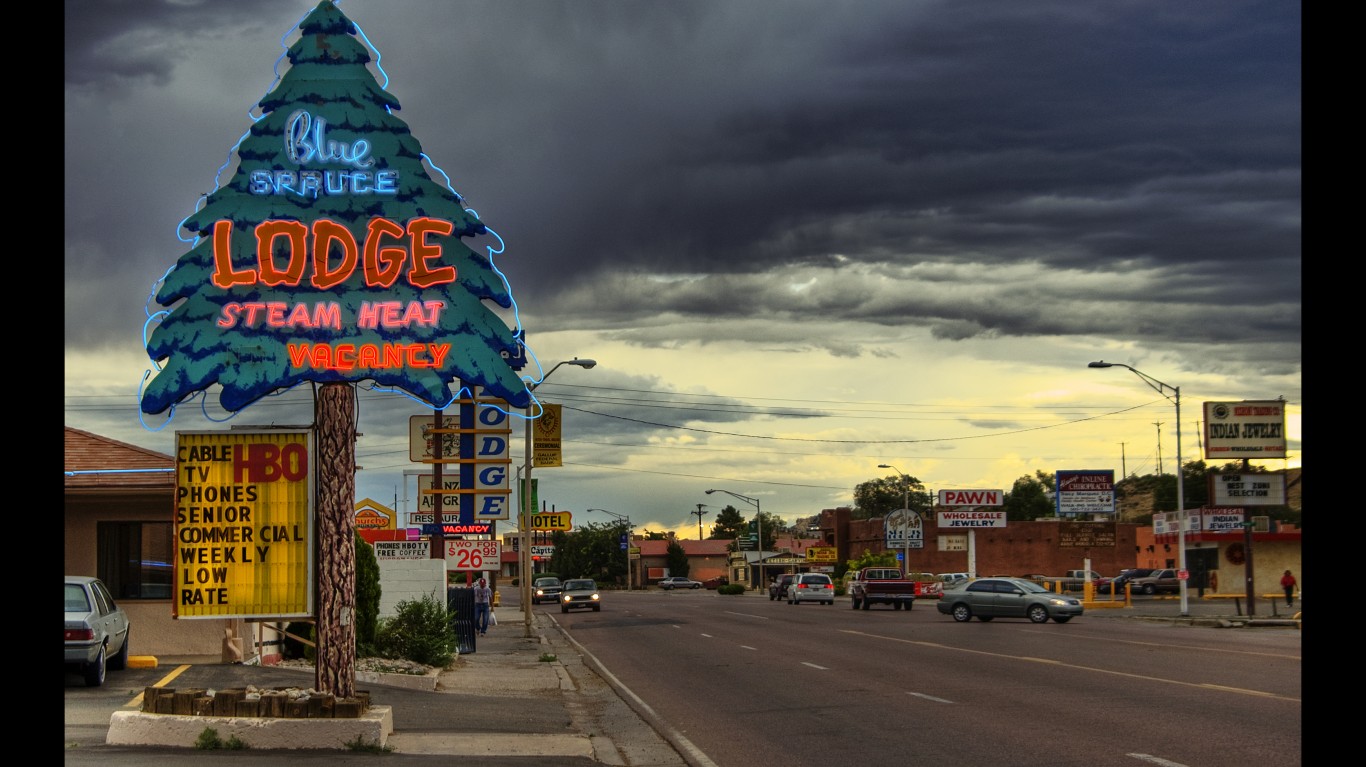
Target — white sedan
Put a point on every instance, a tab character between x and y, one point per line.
676	582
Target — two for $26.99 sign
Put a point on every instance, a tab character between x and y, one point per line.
473	555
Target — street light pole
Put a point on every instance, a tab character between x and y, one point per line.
627	519
524	563
906	509
759	524
1175	399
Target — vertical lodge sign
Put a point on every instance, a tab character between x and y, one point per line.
331	255
243	524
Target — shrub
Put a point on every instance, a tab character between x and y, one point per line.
731	588
208	740
367	597
420	631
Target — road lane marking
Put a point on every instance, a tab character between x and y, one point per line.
165	680
929	697
1156	760
812	665
1112	672
1078	635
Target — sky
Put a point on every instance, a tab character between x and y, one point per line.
800	239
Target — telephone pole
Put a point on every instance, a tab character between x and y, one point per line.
699	514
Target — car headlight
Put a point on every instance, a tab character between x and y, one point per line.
595	597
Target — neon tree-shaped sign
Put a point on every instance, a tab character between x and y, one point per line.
331	254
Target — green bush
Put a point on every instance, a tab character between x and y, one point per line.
367	597
420	631
731	588
208	740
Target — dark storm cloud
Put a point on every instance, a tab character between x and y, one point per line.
998	169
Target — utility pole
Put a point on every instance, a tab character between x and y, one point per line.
1158	424
699	514
1123	467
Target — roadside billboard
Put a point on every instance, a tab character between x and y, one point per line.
1085	491
1246	429
903	531
243	524
1247	489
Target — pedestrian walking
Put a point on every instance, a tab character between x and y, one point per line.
1288	583
482	596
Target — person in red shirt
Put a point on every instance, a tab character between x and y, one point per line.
1288	583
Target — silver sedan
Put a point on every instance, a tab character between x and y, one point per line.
988	598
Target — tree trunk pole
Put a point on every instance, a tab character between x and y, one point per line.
335	423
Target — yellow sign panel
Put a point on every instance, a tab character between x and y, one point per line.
820	554
243	524
551	520
546	438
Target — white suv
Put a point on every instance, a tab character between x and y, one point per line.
811	587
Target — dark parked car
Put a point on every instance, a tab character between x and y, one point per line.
1116	584
545	590
777	588
96	629
988	598
580	592
716	583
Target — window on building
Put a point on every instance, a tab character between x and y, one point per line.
135	559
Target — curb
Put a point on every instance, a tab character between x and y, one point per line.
134	728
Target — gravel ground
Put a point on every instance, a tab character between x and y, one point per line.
377	665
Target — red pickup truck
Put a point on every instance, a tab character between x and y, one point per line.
888	586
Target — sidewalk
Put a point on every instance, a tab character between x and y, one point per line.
514	696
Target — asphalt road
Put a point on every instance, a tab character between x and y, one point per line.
744	680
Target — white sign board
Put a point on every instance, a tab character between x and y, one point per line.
402	550
1164	522
473	555
1221	520
422	444
971	498
972	518
542	551
416	518
1246	429
490	497
903	531
1247	489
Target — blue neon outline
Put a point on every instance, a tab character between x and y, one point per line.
519	333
